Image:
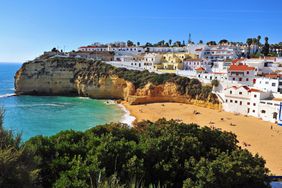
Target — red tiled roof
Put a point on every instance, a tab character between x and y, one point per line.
240	68
88	47
246	88
198	50
236	60
200	69
254	90
272	75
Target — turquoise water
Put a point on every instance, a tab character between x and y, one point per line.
33	116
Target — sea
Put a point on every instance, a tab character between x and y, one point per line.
45	115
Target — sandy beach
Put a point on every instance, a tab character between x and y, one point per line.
253	134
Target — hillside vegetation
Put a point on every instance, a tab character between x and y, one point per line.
160	154
186	86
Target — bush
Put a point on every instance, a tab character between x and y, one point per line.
164	153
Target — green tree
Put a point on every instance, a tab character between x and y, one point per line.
162	153
223	41
148	44
130	43
215	83
54	50
170	42
177	44
16	168
201	42
211	43
138	43
249	43
258	40
265	49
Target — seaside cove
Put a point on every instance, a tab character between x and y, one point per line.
48	115
193	101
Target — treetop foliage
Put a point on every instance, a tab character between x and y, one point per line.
164	153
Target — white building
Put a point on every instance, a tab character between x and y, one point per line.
192	64
242	74
250	101
219	53
269	82
112	49
151	60
220	67
165	49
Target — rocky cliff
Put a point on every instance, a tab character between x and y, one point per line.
78	77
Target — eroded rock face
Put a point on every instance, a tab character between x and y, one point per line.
69	79
83	78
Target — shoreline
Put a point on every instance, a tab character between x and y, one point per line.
253	134
127	118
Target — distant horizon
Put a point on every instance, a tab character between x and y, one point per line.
30	28
11	62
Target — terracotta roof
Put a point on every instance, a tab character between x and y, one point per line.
240	68
246	88
198	50
272	76
236	60
88	47
277	99
254	90
200	69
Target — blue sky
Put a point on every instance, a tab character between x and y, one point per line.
27	28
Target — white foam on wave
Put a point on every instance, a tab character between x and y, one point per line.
127	118
109	102
36	105
84	98
7	95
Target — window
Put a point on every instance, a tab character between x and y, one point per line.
254	104
240	79
255	96
233	78
254	111
273	84
231	101
236	102
241	103
247	79
240	93
266	82
248	103
230	92
247	72
226	100
263	111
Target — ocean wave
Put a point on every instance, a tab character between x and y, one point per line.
36	105
109	102
84	98
7	95
127	118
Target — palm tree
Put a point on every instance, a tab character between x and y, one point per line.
266	40
265	49
170	42
249	43
258	40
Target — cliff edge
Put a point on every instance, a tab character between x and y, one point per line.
80	77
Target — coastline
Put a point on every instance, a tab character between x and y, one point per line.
127	118
253	134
